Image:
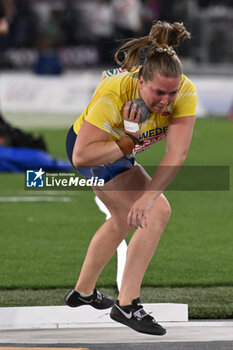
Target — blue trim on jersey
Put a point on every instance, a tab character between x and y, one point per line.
106	172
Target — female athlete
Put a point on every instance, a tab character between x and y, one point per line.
103	143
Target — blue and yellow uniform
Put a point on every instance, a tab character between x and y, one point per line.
105	110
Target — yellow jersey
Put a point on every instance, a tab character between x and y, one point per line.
105	109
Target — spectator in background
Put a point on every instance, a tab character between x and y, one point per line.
53	30
167	10
85	9
4	26
48	61
3	20
22	24
69	20
95	26
103	29
127	17
151	11
23	28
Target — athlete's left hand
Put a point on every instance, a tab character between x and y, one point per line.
139	213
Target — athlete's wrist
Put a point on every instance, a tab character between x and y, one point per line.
151	194
127	143
131	126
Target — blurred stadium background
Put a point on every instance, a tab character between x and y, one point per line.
50	63
53	55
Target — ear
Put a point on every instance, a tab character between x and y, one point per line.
141	81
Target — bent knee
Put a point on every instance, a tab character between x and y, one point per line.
167	209
163	208
120	224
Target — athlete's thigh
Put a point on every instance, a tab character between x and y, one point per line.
121	192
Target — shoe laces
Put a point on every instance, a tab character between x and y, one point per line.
140	314
148	318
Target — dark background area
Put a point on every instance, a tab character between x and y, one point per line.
84	33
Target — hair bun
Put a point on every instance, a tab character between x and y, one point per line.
165	34
162	38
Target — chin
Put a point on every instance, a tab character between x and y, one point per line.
158	110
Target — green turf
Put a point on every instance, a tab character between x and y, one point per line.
42	245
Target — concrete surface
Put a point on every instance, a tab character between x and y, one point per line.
214	335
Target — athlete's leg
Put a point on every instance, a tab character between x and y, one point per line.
141	249
102	247
108	237
106	240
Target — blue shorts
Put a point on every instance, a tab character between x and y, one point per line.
106	172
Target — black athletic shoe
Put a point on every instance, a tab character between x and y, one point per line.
98	300
134	316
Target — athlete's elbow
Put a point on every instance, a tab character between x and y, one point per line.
79	160
178	157
181	156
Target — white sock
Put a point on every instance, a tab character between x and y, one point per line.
85	295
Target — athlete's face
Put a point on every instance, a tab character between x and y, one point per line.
159	92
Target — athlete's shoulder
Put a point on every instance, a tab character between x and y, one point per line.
112	72
118	74
186	85
117	82
186	100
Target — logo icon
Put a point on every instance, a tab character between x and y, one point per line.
35	178
126	314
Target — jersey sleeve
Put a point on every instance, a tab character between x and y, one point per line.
186	100
104	113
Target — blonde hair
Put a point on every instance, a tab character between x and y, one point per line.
158	46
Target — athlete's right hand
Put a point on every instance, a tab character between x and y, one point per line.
131	119
139	213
